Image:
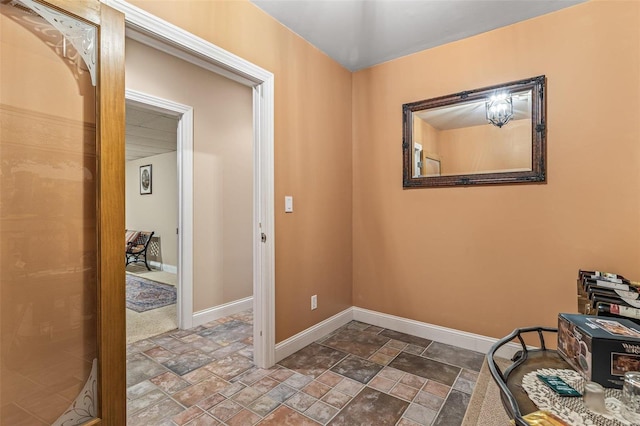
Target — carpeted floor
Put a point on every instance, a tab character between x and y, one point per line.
485	407
151	323
142	325
153	275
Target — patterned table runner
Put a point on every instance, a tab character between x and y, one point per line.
572	410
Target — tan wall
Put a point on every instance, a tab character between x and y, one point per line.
312	153
222	168
158	211
489	259
486	148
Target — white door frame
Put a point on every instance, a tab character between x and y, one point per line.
184	114
159	34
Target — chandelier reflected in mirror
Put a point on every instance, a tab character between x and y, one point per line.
499	109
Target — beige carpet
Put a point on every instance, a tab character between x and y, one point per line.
485	407
150	323
142	325
153	275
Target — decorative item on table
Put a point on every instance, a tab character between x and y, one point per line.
542	418
558	385
602	350
608	295
591	278
594	397
631	397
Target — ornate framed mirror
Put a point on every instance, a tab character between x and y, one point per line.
492	135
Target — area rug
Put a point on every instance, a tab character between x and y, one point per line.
144	295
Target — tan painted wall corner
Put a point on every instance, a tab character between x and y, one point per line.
489	259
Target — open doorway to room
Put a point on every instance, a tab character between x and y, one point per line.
153	32
213	211
151	219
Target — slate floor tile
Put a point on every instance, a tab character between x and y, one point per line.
436	388
141	368
243	418
419	414
313	360
155	414
404	392
371	407
226	409
359	374
264	405
321	412
145	401
204	420
285	416
170	382
187	415
406	338
187	362
230	366
429	400
357	369
281	392
456	356
427	368
453	410
336	398
246	396
142	388
196	393
301	401
356	342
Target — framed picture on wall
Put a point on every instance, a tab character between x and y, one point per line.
145	179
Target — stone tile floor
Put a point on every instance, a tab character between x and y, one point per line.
358	375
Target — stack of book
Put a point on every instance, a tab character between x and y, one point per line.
609	295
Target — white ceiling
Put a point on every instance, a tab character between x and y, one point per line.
149	133
362	33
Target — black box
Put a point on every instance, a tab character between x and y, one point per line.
601	349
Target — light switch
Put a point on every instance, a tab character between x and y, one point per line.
288	204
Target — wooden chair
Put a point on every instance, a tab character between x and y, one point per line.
136	247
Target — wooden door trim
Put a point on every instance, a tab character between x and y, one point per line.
111	223
110	205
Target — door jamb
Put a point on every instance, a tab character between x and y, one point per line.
155	32
184	114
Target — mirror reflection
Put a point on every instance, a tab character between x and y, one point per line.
490	135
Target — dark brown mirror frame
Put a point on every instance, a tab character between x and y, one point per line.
538	172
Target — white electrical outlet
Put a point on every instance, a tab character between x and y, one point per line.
314	302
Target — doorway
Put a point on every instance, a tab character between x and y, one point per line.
153	31
151	218
218	176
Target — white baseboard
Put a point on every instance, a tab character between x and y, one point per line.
311	334
450	336
203	317
164	267
170	268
